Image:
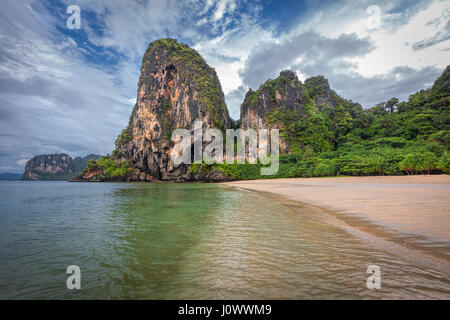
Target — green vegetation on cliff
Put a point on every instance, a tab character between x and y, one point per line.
342	138
124	137
299	130
269	86
196	70
110	168
391	138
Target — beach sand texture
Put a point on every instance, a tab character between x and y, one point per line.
418	205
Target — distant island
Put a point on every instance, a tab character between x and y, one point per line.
322	134
10	176
55	166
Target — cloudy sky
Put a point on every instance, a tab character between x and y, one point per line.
72	90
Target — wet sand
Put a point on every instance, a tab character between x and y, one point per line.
416	206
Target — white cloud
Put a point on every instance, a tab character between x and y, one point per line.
22	162
221	6
228	53
392	47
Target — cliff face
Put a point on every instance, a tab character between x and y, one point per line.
46	165
319	90
176	87
284	94
55	166
296	109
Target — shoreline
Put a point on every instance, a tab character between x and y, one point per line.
405	215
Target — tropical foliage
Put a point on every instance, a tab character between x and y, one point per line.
110	167
338	137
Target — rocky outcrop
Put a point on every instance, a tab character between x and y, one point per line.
90	176
286	104
98	175
55	166
319	90
207	174
176	87
284	94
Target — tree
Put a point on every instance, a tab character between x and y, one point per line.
427	162
418	162
390	105
408	164
444	162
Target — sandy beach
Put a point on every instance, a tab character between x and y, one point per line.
413	205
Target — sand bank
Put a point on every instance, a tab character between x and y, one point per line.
414	205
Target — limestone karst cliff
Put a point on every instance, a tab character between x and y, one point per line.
319	90
55	166
285	94
176	87
303	112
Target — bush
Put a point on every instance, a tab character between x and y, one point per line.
114	169
418	162
444	162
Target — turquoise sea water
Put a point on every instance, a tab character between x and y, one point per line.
187	241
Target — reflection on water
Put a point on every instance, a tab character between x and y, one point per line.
187	241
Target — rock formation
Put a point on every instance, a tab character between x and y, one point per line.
55	166
176	87
294	108
285	94
319	90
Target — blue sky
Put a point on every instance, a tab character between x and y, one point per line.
72	91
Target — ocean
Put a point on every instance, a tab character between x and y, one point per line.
188	241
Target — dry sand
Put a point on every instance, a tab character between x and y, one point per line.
413	205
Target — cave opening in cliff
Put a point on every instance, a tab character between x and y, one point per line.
192	153
170	72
